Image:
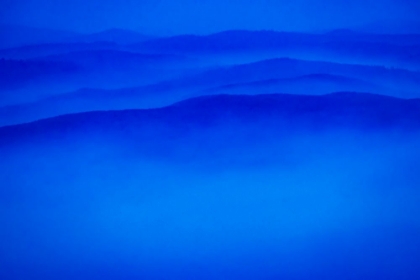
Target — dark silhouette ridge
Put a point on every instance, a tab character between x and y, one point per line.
283	75
247	40
299	79
395	48
360	111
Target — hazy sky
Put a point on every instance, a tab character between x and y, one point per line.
205	16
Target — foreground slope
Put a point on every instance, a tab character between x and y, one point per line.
238	187
224	129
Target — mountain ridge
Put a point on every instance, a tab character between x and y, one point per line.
362	110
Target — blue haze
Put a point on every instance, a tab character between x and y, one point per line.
209	139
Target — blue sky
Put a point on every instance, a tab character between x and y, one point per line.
165	17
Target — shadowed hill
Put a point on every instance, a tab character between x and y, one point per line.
313	83
399	49
268	76
279	111
286	68
241	40
394	82
341	167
